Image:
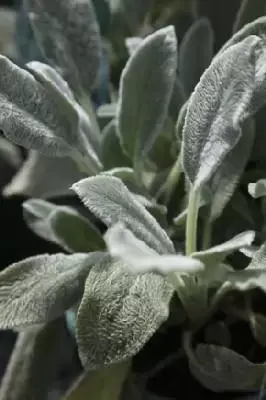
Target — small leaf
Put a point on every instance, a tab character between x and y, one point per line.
39	289
140	258
29	115
112	153
196	52
228	174
249	11
217	109
31	179
69	37
109	199
215	255
145	92
119	313
132	43
258	189
74	232
221	369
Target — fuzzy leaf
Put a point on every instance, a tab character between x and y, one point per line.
249	11
112	153
39	289
109	199
119	312
221	369
228	174
74	232
132	43
215	255
31	179
196	52
258	189
145	92
140	258
29	116
217	109
69	37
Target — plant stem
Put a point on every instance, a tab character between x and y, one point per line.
171	183
86	103
192	220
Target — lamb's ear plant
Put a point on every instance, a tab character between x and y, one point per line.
148	242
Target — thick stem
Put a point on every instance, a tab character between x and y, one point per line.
192	221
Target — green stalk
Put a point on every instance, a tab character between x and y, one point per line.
166	191
192	221
86	103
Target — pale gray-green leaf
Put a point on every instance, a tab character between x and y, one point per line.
119	313
196	52
215	255
109	199
140	258
217	109
221	369
228	174
257	189
145	91
112	154
69	37
74	232
132	43
31	179
39	289
30	116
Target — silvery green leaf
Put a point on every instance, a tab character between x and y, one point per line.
145	91
31	179
109	199
30	117
196	52
35	214
74	232
215	255
228	174
221	369
9	153
257	27
34	362
249	11
119	313
249	251
69	37
181	122
132	43
87	141
216	110
140	258
257	189
258	326
112	154
39	289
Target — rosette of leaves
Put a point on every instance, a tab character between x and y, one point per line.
165	170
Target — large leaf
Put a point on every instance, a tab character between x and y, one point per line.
221	369
228	174
31	179
140	258
248	12
34	363
30	116
196	52
217	109
109	199
39	289
145	92
119	313
69	37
